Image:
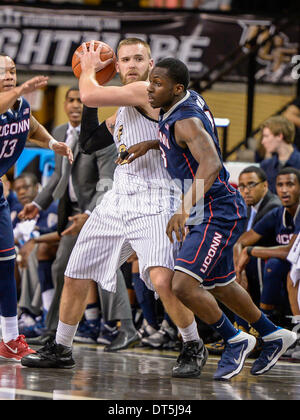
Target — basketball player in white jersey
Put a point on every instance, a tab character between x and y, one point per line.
132	216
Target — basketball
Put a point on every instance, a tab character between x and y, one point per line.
103	76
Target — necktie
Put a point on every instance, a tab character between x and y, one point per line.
65	167
251	218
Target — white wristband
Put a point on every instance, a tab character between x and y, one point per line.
52	142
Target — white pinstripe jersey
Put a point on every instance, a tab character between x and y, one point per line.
146	173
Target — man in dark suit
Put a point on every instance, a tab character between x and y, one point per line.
77	189
253	186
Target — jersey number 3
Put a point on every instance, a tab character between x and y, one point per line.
8	148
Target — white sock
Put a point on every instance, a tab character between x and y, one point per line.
189	333
47	298
65	334
10	329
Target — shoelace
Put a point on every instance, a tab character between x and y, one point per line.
187	351
21	340
48	347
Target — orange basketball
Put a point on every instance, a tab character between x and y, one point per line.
103	76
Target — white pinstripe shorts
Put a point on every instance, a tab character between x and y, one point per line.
117	227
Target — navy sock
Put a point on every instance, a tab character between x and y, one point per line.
264	326
241	322
8	289
225	328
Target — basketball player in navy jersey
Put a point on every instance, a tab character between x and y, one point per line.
16	125
132	216
215	215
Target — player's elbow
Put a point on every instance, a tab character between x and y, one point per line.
215	166
85	98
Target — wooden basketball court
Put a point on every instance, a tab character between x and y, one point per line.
142	374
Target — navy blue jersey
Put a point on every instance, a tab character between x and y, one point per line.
297	223
277	224
221	201
14	128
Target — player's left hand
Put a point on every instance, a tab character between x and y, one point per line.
62	149
78	221
177	225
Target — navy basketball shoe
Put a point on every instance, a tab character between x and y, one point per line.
274	345
233	358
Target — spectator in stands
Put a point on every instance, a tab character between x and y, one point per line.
253	186
292	113
278	135
278	224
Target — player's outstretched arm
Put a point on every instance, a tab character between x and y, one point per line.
8	99
39	135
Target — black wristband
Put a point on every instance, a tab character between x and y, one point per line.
249	250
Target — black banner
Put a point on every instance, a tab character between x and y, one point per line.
44	40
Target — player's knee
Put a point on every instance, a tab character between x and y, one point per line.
162	287
76	286
179	288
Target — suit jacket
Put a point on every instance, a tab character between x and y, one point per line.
86	171
269	202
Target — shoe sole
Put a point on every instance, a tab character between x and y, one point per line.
195	374
9	359
230	375
34	365
292	340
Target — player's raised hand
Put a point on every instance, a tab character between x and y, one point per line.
90	58
30	211
33	84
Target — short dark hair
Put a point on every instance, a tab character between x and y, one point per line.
177	70
33	178
71	89
289	170
259	172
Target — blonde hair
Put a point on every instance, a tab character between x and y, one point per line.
280	125
134	41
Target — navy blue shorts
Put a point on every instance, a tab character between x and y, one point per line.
207	252
7	243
